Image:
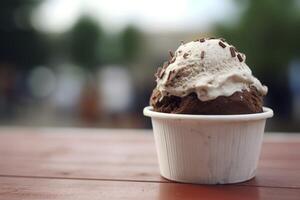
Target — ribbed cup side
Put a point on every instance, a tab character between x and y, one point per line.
196	151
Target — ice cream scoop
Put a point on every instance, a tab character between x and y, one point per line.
210	68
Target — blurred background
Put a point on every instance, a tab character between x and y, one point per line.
90	63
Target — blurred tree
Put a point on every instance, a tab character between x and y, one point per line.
121	48
110	49
20	44
268	32
21	48
130	43
85	38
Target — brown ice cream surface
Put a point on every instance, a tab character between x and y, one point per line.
242	102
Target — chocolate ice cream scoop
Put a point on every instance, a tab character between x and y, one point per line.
243	102
207	76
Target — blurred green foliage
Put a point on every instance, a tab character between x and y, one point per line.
130	43
20	44
268	32
84	39
85	45
121	48
91	47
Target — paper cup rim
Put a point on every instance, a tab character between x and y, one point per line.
267	113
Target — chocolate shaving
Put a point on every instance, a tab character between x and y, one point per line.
211	38
240	58
171	54
232	51
169	76
222	39
202	40
162	73
202	54
222	44
170	73
173	60
185	55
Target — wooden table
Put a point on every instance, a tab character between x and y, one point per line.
121	164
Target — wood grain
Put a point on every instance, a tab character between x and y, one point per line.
51	189
119	155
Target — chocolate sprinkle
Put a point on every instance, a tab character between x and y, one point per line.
240	58
202	54
182	42
202	40
232	51
173	60
170	73
171	54
185	55
169	76
222	44
162	73
222	39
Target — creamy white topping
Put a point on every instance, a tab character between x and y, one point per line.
210	68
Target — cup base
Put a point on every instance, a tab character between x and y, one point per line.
208	183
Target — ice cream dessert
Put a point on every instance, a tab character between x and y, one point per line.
207	115
207	76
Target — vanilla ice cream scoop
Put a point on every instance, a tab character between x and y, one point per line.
208	67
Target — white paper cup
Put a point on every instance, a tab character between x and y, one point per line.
208	149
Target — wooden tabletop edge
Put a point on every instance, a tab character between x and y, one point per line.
244	184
